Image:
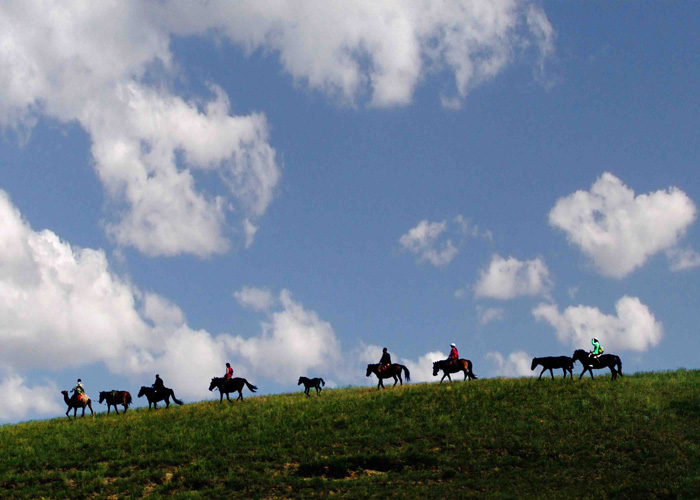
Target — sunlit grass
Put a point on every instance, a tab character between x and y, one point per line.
505	437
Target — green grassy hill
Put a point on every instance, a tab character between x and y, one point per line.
638	437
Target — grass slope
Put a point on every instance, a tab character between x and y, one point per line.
638	437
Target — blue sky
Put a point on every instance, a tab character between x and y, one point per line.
291	188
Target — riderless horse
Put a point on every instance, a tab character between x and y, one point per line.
114	398
549	362
310	383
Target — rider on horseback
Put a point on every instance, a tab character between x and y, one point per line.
229	371
385	362
158	384
597	349
454	354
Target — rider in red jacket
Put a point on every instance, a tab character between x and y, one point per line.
454	355
229	371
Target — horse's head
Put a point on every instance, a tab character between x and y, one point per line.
534	363
579	354
213	384
369	370
300	381
142	391
103	396
436	368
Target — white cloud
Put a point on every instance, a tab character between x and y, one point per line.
255	298
633	328
434	242
517	364
422	369
683	258
422	240
510	278
488	315
618	230
19	399
88	64
108	66
294	341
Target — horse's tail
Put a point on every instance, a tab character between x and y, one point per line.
172	393
408	374
471	373
619	365
323	382
250	386
127	398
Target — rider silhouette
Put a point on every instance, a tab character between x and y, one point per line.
385	362
597	349
158	384
79	390
229	371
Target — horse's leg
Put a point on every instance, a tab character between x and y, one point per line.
551	373
396	381
543	369
448	377
240	394
444	374
116	409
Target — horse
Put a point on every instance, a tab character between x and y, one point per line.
115	398
227	385
76	402
154	396
549	362
389	372
603	361
316	383
461	365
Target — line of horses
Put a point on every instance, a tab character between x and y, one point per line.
396	371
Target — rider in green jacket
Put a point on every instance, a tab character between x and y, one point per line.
597	348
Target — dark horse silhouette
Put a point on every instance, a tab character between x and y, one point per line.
549	362
603	361
73	404
391	371
154	396
316	383
227	385
114	398
461	365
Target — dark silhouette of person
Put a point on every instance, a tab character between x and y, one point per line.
385	362
229	371
158	384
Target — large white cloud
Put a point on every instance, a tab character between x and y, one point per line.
108	66
20	398
510	278
517	364
618	230
293	343
633	328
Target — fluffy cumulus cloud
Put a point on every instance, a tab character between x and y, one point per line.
63	307
438	242
20	398
633	327
683	258
509	278
255	298
294	342
108	66
517	364
619	231
488	315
